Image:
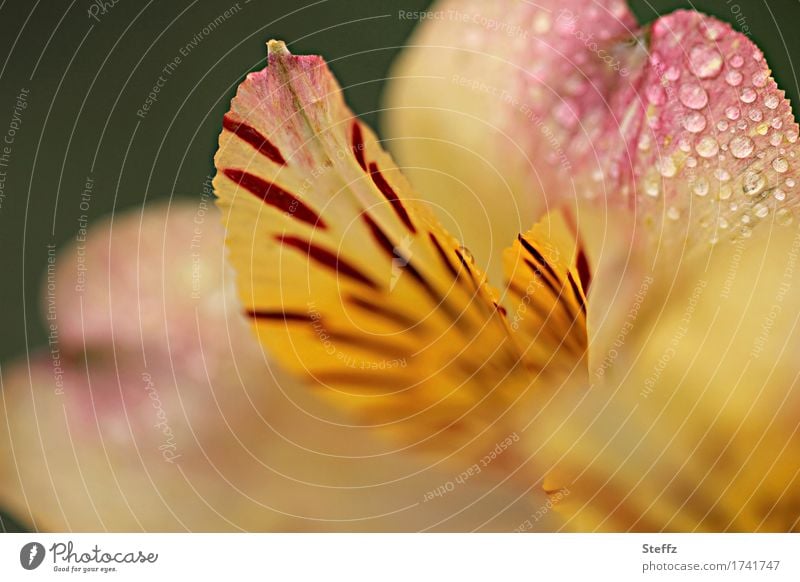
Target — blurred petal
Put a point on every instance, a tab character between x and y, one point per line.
693	423
154	409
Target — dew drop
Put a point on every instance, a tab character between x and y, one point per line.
753	183
790	182
736	61
652	186
722	125
748	95
701	187
733	78
722	174
755	115
725	192
777	123
691	162
723	224
791	135
732	113
771	101
714	29
742	147
780	165
672	74
705	61
746	232
673	213
760	78
761	210
694	122
779	194
667	167
707	147
693	96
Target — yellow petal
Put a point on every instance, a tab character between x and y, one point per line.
348	277
694	423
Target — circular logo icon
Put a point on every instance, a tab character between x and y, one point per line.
31	555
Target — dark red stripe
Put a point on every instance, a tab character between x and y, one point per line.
275	196
358	146
443	256
278	315
584	273
390	195
538	257
577	292
327	258
388	314
386	244
252	136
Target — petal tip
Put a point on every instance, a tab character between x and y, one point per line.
277	48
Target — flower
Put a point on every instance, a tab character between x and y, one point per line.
634	372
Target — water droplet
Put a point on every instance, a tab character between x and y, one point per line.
753	183
736	61
707	147
672	74
742	147
790	182
755	115
733	78
784	217
732	113
644	142
685	145
722	125
667	167
725	192
467	254
722	174
791	135
748	95
771	101
673	213
760	78
714	29
691	162
780	165
705	61
656	95
652	185
761	210
746	232
723	224
693	96
777	123
779	194
701	187
694	122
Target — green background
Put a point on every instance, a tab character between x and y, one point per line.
87	79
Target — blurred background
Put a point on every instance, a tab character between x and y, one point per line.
85	69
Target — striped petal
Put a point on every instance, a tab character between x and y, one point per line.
693	423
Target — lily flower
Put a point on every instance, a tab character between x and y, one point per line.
632	370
